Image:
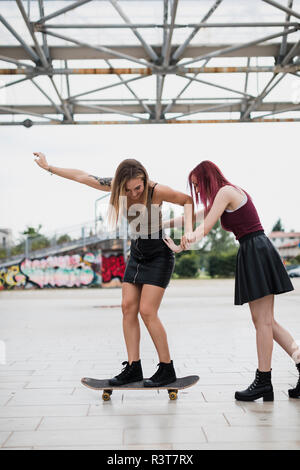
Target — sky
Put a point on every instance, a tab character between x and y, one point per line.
261	158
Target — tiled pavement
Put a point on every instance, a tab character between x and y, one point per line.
54	337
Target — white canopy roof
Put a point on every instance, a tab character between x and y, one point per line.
167	60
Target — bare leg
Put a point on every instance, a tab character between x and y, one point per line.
285	340
262	316
150	301
131	294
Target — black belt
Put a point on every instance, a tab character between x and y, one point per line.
154	236
251	235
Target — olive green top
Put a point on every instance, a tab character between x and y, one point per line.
144	221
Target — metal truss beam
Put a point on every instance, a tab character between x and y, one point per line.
221	52
16	110
283	8
197	28
169	121
110	110
45	43
157	60
113	85
146	46
283	46
43	59
84	107
166	55
204	82
38	27
110	52
30	52
43	19
146	71
63	52
38	48
277	77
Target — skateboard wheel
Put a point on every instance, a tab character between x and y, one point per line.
106	395
173	394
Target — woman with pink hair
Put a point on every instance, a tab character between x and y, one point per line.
260	273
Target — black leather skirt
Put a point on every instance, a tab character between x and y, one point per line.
150	262
259	269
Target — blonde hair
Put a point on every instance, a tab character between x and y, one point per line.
128	169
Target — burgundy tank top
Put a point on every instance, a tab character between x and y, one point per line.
242	221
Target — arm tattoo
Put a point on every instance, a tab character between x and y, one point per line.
102	181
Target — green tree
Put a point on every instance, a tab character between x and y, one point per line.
32	232
64	239
222	264
187	266
219	240
172	231
36	239
278	226
18	249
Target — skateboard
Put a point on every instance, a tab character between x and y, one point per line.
172	388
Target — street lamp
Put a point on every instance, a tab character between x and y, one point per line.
96	203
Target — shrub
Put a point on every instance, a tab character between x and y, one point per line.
187	266
222	264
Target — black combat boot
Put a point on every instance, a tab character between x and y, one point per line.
295	392
163	376
130	373
261	388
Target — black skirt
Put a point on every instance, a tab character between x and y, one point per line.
150	262
259	269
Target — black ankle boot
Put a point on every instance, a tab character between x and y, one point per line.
260	388
295	392
163	376
131	373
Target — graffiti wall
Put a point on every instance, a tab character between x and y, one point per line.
113	269
76	270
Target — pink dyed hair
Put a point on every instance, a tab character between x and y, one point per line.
209	179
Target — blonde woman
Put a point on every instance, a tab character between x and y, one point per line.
151	261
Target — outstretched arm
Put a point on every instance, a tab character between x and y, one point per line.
223	198
167	194
104	184
179	221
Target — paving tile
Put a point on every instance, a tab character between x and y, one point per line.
239	446
227	393
263	419
109	447
46	397
251	434
3	437
11	372
44	385
40	411
5	396
63	438
157	435
12	386
132	422
44	406
162	407
19	424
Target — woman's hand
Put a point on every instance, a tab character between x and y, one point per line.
187	239
170	243
41	160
